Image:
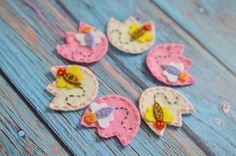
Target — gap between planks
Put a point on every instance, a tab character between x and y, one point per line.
194	38
132	76
122	67
143	86
137	80
64	146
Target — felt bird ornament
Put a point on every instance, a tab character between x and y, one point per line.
131	36
75	87
113	115
88	45
90	39
168	65
162	106
175	71
101	114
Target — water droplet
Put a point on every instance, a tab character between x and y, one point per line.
218	121
201	10
226	107
21	133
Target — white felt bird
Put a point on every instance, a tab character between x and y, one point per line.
172	71
103	113
90	39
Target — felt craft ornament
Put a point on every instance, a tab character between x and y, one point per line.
161	106
131	36
86	46
113	115
167	63
75	88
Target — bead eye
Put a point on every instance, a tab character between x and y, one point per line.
160	124
61	71
147	27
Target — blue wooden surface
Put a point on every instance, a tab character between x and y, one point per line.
30	30
211	23
21	132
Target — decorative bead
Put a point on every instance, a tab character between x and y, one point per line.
86	30
147	27
160	124
183	76
61	71
90	117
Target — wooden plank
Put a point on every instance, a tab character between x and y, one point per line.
211	23
21	132
145	143
77	143
212	61
215	84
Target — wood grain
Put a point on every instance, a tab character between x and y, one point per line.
138	147
17	118
30	31
207	69
211	23
149	141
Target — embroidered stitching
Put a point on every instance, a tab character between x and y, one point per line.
166	99
119	38
125	118
77	96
